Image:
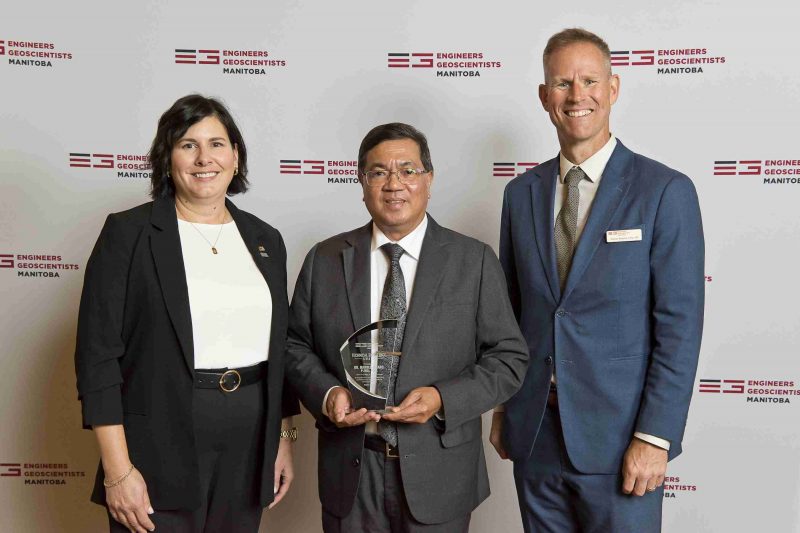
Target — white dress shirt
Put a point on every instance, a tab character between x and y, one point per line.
593	168
379	265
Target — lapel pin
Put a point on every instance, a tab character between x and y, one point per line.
262	251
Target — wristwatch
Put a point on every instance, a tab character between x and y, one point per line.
290	434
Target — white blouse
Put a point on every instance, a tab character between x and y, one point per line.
229	299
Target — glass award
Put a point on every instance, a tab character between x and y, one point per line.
370	362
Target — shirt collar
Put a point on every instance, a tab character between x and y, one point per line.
592	167
411	243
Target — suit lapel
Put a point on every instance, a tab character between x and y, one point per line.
432	259
165	245
355	261
613	187
543	191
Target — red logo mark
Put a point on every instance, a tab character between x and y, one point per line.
413	60
725	386
82	160
509	170
398	60
304	166
2	48
6	260
290	166
749	167
423	60
11	469
313	167
635	58
196	57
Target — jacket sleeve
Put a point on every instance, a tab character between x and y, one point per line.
507	256
305	370
289	404
502	355
678	285
99	342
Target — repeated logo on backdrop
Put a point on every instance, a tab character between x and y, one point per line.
773	171
337	170
464	64
125	165
667	60
767	391
248	62
30	265
40	473
510	170
32	53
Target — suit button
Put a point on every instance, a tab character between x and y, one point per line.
560	313
356	462
548	360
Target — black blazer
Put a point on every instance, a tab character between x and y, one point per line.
135	357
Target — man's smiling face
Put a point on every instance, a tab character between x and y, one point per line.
578	93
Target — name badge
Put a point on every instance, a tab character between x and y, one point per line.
624	235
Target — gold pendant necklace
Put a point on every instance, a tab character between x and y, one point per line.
213	246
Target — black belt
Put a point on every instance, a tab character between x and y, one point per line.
377	444
229	379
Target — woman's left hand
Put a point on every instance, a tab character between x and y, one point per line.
284	471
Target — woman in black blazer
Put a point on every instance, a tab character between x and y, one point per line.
181	338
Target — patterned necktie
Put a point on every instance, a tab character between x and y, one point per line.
393	305
567	224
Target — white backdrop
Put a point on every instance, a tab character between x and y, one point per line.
83	84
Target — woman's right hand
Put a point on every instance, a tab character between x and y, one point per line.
129	503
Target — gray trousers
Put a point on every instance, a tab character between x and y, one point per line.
381	506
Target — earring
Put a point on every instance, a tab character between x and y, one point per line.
168	174
235	171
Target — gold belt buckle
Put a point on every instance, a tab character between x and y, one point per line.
231	372
389	449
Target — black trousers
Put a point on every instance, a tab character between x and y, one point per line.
229	435
381	506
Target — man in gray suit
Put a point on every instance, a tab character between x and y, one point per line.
420	468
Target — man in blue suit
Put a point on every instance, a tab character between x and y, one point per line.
603	253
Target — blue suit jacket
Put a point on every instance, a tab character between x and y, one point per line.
624	336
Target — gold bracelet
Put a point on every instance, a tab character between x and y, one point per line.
290	434
108	484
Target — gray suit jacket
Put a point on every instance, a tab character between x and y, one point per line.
460	337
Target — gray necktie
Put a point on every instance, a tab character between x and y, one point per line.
393	305
567	224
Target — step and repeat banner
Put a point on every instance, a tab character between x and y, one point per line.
710	88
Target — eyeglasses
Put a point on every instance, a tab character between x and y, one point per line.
406	176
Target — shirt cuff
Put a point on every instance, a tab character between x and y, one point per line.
325	401
655	441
